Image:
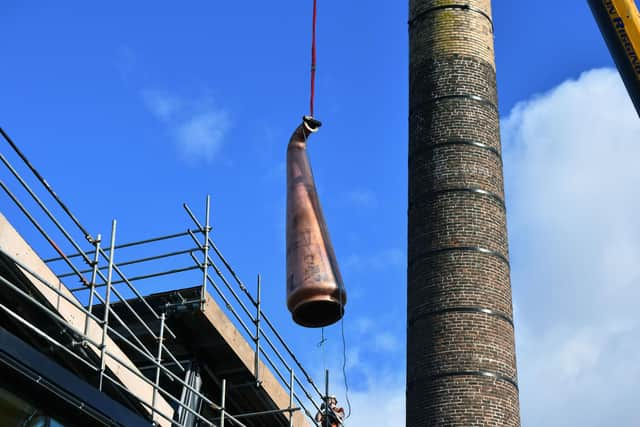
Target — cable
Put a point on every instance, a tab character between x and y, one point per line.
344	359
313	58
344	364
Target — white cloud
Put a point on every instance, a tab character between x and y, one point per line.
161	104
572	190
198	129
381	404
203	134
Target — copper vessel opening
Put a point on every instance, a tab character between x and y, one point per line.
315	291
316	314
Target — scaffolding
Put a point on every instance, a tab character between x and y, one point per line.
191	254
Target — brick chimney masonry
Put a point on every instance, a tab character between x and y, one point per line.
461	367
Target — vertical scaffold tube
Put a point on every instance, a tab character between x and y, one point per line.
461	367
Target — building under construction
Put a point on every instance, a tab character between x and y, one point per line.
82	345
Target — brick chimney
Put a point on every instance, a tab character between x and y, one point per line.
461	368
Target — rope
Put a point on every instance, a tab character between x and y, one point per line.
313	58
344	364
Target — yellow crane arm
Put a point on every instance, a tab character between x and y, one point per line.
619	22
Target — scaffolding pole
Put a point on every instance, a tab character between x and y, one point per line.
205	251
107	299
257	337
92	289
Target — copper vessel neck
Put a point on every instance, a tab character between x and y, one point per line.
308	126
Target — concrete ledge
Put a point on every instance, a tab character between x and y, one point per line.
246	354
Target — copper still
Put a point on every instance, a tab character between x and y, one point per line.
315	291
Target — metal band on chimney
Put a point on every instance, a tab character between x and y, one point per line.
470	97
429	147
476	249
465	309
479	373
465	7
430	195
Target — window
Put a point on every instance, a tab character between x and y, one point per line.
16	412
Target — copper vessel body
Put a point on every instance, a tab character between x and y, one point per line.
315	290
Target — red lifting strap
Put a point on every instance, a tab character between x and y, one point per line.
313	58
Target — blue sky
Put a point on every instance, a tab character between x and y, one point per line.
133	109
